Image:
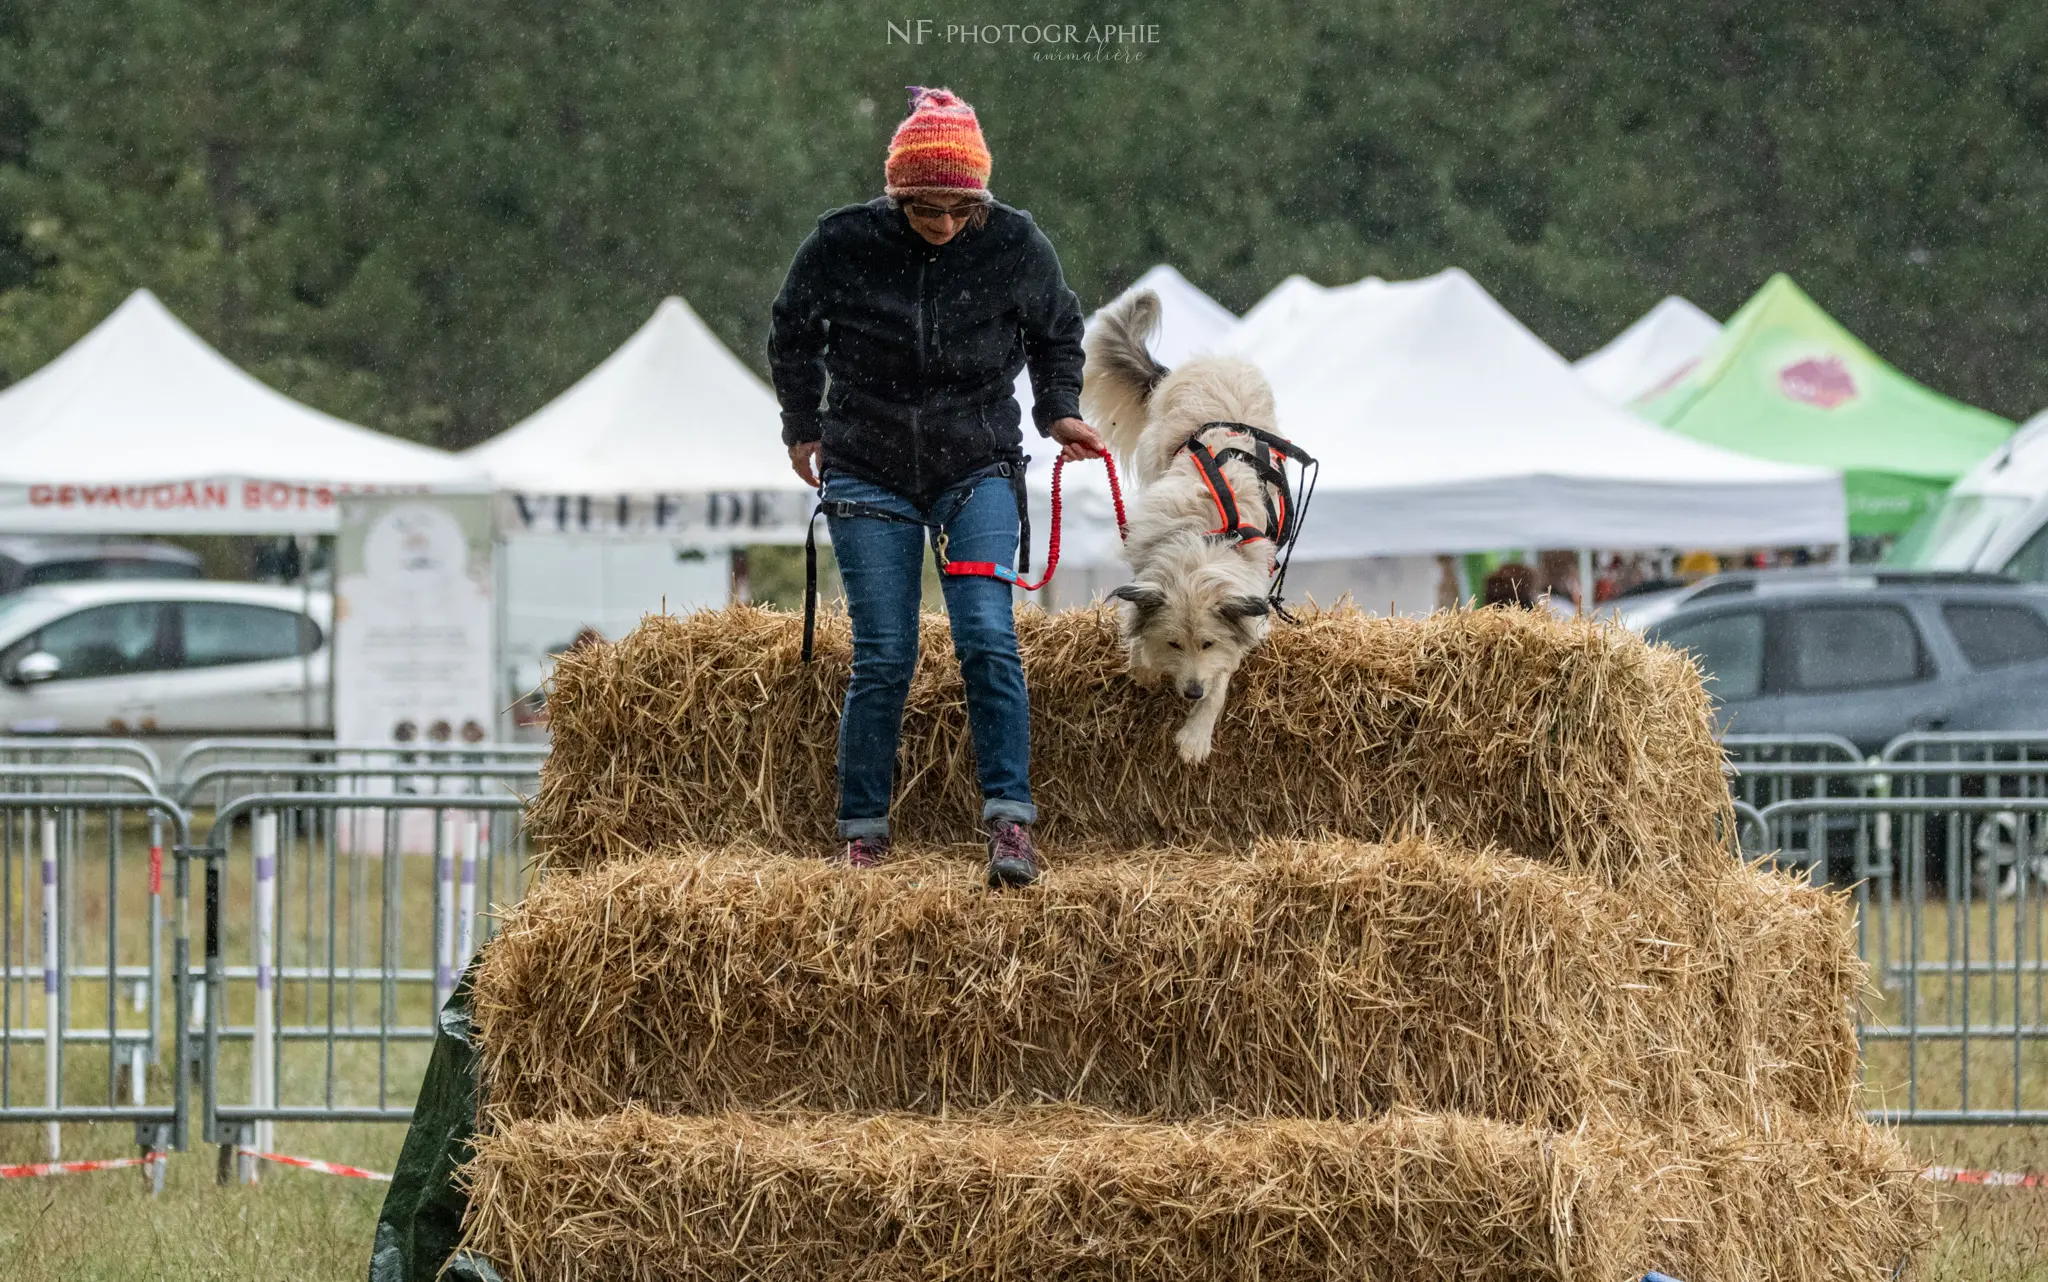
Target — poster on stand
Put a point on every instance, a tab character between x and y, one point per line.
414	618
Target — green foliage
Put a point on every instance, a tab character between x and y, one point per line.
433	216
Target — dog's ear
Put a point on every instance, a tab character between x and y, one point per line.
1244	607
1143	595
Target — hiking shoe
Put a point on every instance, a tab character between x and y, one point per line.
1012	860
864	852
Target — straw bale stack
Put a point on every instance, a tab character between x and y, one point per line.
1301	980
1557	739
1066	1194
1439	969
1059	1195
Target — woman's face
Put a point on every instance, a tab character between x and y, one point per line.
938	218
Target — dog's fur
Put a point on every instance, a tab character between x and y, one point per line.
1196	606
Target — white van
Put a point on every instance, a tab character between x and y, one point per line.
1994	519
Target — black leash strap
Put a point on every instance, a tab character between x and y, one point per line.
841	508
1016	471
811	580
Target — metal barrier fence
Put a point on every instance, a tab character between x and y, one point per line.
340	902
1941	841
50	751
204	754
355	936
80	996
340	898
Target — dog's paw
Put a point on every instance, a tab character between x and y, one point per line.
1193	742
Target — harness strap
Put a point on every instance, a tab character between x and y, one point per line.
1283	526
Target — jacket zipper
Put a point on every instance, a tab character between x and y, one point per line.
916	439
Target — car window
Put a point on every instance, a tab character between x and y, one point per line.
218	632
1730	650
108	640
2030	563
98	570
1850	647
1994	636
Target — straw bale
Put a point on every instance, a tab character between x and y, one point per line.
1776	972
1562	740
1822	1200
1055	1194
1324	981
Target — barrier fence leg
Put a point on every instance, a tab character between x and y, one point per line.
53	1031
466	908
444	917
263	1050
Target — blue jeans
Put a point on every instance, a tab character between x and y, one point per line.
881	563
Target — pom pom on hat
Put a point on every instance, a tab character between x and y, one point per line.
938	147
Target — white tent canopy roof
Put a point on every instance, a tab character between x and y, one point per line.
1662	344
141	426
1444	425
671	431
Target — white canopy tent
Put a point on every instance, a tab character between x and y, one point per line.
1650	354
1444	425
628	492
671	435
142	427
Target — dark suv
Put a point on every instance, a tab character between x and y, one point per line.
1868	656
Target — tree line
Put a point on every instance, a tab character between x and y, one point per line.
432	216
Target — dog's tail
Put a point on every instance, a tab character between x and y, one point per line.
1120	373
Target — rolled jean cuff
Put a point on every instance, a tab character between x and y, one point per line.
1022	812
852	828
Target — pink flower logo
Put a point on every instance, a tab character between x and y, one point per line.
1821	381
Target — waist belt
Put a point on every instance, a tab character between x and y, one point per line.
849	508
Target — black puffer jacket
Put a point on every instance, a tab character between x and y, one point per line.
922	343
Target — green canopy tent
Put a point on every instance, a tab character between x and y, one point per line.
1785	381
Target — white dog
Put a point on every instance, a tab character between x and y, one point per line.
1197	602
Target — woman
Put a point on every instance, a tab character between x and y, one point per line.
917	309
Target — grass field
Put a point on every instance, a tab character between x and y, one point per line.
305	1227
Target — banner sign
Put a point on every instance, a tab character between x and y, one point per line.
716	517
413	621
213	505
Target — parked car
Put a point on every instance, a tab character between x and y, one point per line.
163	656
1868	656
27	562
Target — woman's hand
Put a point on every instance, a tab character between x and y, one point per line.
1079	441
804	458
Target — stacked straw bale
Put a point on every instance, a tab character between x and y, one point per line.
1065	1194
1556	739
1302	980
1439	969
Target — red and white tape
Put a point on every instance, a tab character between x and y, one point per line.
1994	1179
33	1170
315	1164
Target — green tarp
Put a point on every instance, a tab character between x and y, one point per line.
422	1218
1784	381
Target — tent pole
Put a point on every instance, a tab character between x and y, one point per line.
304	546
1585	580
504	729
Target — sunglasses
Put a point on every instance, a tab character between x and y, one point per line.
965	209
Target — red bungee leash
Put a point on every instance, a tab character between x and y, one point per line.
1052	551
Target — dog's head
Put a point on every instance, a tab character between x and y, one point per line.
1194	631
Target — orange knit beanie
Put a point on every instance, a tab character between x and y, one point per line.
938	147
